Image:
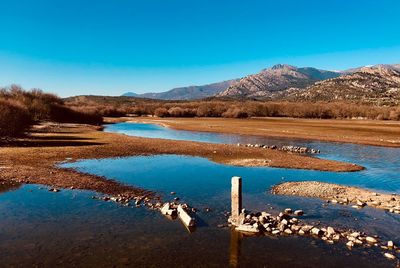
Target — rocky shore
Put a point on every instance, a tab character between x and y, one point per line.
285	148
340	194
287	223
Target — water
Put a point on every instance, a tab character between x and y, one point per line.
45	229
382	167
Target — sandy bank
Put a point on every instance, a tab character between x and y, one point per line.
367	132
341	194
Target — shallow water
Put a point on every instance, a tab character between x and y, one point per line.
45	229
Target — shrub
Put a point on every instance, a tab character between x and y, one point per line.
235	112
161	112
181	112
14	119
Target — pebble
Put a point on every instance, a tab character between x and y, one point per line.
355	234
298	212
389	256
316	231
288	211
371	240
330	231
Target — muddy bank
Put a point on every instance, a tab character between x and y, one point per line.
345	195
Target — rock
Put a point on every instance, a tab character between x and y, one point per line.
306	228
350	238
336	237
288	211
358	242
330	231
389	256
295	228
173	193
288	231
176	198
298	212
390	244
165	208
355	234
284	222
265	214
275	232
247	228
316	231
360	203
350	244
301	232
371	240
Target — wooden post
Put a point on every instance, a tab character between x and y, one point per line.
236	199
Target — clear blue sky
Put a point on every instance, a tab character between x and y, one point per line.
108	47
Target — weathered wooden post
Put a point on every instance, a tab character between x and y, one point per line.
236	199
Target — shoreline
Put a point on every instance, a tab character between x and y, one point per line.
363	132
340	194
34	159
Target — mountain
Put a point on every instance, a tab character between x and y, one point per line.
279	77
130	94
187	93
379	84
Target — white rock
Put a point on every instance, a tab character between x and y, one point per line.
355	234
390	244
298	212
389	256
247	228
330	231
371	240
316	231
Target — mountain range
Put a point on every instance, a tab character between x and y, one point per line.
378	84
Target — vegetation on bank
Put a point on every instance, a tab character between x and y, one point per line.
117	106
19	109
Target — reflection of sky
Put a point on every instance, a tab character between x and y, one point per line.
203	183
381	162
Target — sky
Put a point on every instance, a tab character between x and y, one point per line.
110	47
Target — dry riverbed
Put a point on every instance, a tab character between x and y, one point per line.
346	195
33	159
367	132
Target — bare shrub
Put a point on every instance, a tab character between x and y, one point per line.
161	112
181	112
14	119
235	112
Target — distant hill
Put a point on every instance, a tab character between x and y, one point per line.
187	93
277	78
378	85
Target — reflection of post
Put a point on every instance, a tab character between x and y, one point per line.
234	250
236	196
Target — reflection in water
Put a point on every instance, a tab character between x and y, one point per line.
8	186
235	248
